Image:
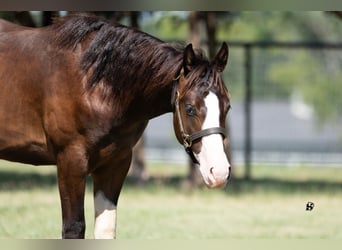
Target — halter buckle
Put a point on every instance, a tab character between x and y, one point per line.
187	142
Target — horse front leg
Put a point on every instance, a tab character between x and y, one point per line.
108	181
71	172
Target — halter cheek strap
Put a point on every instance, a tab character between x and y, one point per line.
187	139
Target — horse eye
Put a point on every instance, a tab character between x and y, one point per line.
203	73
190	110
206	84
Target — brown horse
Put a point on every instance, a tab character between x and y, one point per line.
79	94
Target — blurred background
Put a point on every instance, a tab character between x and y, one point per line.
284	75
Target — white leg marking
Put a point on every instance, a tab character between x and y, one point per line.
105	217
214	164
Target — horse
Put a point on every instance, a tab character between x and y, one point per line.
79	93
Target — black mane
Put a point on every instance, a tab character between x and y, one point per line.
117	55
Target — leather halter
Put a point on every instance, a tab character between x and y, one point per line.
189	139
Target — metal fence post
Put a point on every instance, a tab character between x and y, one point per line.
248	114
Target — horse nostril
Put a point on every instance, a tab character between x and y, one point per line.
229	174
211	171
215	174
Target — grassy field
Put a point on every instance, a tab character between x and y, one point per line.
271	205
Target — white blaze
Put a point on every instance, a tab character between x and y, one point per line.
214	165
105	217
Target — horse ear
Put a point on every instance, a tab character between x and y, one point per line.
221	58
189	59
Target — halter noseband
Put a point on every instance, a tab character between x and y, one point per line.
188	140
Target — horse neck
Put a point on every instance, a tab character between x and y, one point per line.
154	101
156	97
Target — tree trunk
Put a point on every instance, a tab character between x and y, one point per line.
210	23
47	17
194	29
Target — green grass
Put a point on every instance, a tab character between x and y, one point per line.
271	205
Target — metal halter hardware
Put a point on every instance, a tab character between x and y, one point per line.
188	140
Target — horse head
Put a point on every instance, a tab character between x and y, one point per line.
201	102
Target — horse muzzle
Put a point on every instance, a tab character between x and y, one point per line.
216	178
213	162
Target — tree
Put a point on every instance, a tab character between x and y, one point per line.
278	73
315	74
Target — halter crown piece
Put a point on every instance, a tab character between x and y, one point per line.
188	139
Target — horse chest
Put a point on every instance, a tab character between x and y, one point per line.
120	141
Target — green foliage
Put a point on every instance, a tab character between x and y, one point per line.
167	26
320	87
326	97
278	73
